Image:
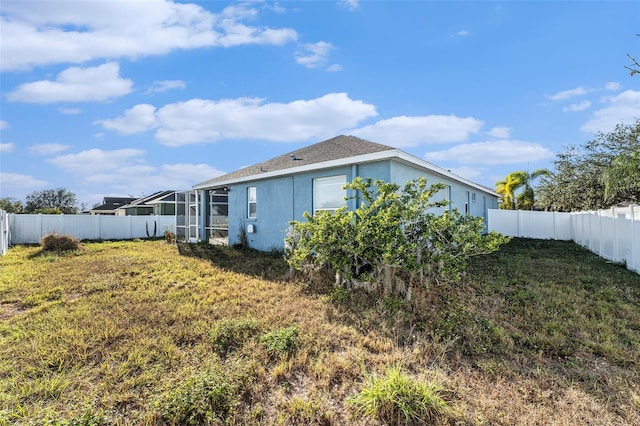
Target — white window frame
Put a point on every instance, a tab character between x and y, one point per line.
252	199
321	183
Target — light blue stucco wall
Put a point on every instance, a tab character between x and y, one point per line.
283	199
459	193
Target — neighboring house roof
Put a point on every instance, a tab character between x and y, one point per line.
110	204
338	151
149	200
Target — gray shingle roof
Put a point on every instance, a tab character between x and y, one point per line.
332	149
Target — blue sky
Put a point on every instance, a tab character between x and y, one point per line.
108	98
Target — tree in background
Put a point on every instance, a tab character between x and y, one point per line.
583	173
11	205
521	179
51	201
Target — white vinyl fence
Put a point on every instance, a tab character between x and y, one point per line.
613	234
30	228
4	232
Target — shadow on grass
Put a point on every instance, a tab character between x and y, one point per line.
268	265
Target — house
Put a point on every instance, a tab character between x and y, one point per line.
158	203
259	201
110	205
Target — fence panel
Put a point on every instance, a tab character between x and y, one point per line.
613	234
30	228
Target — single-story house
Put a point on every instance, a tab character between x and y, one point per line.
110	205
260	200
158	203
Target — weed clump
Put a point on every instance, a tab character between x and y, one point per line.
284	341
59	243
398	399
229	334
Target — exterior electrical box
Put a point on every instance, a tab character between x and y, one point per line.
251	228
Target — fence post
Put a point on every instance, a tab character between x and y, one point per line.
616	251
635	256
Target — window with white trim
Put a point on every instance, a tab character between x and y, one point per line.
252	202
328	193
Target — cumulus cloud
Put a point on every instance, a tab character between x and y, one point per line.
47	148
580	106
411	131
77	32
17	181
69	111
163	86
468	172
138	119
566	94
314	55
7	147
621	108
500	132
97	160
492	153
350	4
612	86
76	84
204	120
145	179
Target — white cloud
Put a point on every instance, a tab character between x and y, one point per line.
18	181
145	179
580	106
493	152
7	147
621	108
138	119
97	160
203	120
47	148
463	33
314	55
334	67
163	86
69	111
500	132
3	124
411	131
76	84
350	4
612	86
566	94
468	172
77	32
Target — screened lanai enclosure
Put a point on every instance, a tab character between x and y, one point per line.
208	223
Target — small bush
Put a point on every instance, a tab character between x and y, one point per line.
396	399
281	342
231	333
59	243
206	398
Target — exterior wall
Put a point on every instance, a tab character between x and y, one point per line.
283	199
460	193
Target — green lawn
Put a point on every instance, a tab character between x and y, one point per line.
143	332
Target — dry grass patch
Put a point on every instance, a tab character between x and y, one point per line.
143	332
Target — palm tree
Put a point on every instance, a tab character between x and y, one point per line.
514	181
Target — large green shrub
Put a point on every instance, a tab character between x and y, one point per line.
395	238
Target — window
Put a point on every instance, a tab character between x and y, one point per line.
328	193
473	197
251	202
